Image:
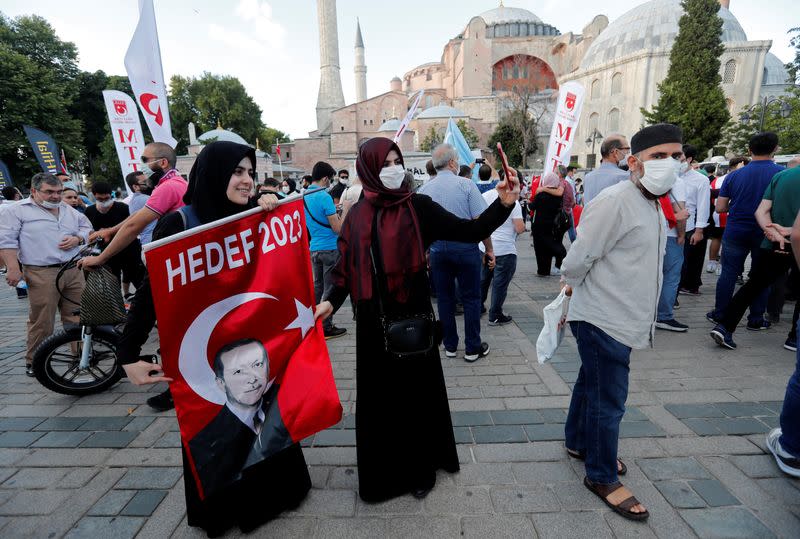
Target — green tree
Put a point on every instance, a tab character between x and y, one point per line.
781	117
433	138
38	71
509	135
470	135
691	96
793	67
213	100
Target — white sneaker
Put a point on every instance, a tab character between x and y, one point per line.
786	462
719	270
555	271
711	267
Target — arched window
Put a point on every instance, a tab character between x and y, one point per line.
729	74
594	120
616	84
595	89
514	29
613	120
515	71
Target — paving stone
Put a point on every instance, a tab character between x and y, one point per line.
672	468
481	473
524	499
61	439
139	423
106	527
743	409
144	503
543	472
626	529
519	452
469	419
169	439
714	493
19	423
498	434
640	429
784	488
553	415
463	435
351	528
726	523
459	501
334	503
74	457
740	425
679	495
402	505
508	527
341	478
105	423
335	437
553	431
150	478
560	525
19	438
283	527
633	413
433	527
61	423
111	503
702	426
34	502
709	445
118	439
516	417
682	411
5	473
32	478
78	477
756	466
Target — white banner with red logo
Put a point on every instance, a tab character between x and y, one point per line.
234	301
409	117
565	125
143	64
126	130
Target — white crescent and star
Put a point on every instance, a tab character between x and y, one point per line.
194	347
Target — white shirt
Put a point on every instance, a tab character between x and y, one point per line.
718	185
698	199
504	238
678	194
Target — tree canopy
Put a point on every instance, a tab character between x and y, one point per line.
691	96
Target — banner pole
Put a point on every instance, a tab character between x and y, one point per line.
280	164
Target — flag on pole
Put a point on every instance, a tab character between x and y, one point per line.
45	148
278	150
126	130
143	64
455	138
235	306
565	125
5	175
64	167
408	118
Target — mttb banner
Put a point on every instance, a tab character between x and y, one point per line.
45	148
235	303
565	125
126	130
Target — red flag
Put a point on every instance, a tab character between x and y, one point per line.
666	207
278	149
64	162
234	301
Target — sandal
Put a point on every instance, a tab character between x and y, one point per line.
620	494
621	468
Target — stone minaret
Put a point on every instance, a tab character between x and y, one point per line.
360	67
330	95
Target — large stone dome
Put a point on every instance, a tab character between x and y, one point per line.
441	111
652	25
221	134
502	14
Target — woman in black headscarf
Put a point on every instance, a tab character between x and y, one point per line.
220	185
288	187
403	428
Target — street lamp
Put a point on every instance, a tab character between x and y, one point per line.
594	137
784	111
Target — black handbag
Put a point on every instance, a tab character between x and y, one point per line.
404	337
101	301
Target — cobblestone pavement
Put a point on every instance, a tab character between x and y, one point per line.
692	438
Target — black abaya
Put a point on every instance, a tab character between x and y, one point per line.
546	244
403	427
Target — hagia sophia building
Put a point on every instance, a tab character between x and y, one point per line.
509	49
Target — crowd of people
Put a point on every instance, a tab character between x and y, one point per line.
626	241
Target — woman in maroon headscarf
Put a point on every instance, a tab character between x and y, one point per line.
403	428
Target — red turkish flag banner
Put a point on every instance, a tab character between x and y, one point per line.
234	301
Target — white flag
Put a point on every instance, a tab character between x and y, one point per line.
408	118
565	125
143	63
125	130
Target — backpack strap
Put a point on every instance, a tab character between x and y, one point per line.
189	217
310	214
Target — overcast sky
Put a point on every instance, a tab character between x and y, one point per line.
272	46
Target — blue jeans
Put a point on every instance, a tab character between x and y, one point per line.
790	413
499	278
734	253
598	401
673	262
451	262
571	232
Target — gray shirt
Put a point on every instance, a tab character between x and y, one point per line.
606	175
615	265
136	203
460	196
36	232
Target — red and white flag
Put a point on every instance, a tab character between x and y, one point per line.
143	64
235	306
409	117
565	125
64	162
278	149
126	130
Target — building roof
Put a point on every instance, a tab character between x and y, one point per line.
502	14
774	71
221	134
390	125
441	111
652	25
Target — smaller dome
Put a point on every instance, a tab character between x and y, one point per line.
390	125
221	134
502	15
396	79
774	71
441	111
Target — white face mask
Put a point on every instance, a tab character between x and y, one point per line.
683	167
285	189
392	177
104	205
50	205
660	175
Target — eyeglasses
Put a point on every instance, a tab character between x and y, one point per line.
145	159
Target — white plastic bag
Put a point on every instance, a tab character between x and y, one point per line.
555	323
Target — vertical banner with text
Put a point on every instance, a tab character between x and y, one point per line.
45	148
126	130
235	306
565	125
5	175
